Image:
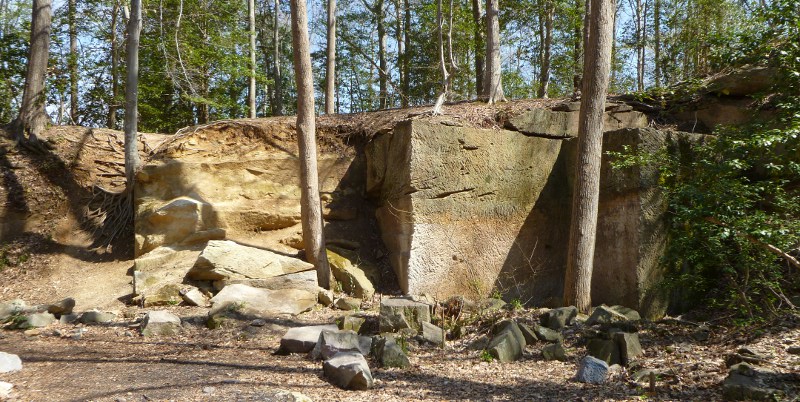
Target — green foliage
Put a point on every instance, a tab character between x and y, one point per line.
516	304
486	356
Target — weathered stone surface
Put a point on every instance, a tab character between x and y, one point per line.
9	363
629	313
97	317
400	313
558	318
592	371
167	295
306	280
5	390
431	333
528	333
744	81
554	351
161	267
545	334
325	297
160	322
62	307
564	124
333	342
348	303
242	301
354	280
181	220
7	309
224	259
793	350
629	347
604	349
745	383
194	296
302	339
348	370
389	353
37	320
508	342
350	323
605	315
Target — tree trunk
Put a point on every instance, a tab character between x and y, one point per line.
406	84
32	117
73	61
112	106
583	228
383	96
277	108
330	64
493	90
437	108
251	92
657	44
310	208
478	42
132	93
398	36
640	40
544	77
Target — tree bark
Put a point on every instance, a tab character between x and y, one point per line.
383	96
657	44
406	83
583	228
493	81
132	93
437	108
330	63
73	61
251	91
277	108
398	36
478	42
32	117
112	106
310	208
544	77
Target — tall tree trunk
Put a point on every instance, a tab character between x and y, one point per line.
401	51
544	77
132	93
639	17
330	63
112	106
32	117
657	44
493	90
277	109
310	208
478	42
73	60
437	108
251	91
406	83
383	76
583	228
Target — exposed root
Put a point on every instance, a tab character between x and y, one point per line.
110	216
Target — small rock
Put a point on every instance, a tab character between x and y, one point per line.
37	320
348	303
643	375
490	305
604	349
7	309
389	353
325	297
351	323
431	333
302	339
62	307
592	371
746	383
558	318
194	297
508	343
528	333
605	315
554	351
68	318
33	332
258	322
333	342
793	350
400	313
5	390
629	346
160	322
629	313
701	334
97	317
9	363
545	334
348	370
209	390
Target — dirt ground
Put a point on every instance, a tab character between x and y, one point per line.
45	256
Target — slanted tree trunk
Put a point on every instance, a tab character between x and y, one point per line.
544	77
112	106
32	117
251	91
73	61
580	256
493	90
330	63
277	108
132	93
478	42
310	208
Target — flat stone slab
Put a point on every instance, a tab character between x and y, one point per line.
9	363
160	322
302	339
348	370
249	302
225	259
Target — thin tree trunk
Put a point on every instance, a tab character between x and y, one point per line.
544	77
657	44
383	96
132	93
493	81
639	24
276	60
583	228
406	83
112	107
330	64
251	91
32	117
437	108
398	36
310	208
478	42
73	61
